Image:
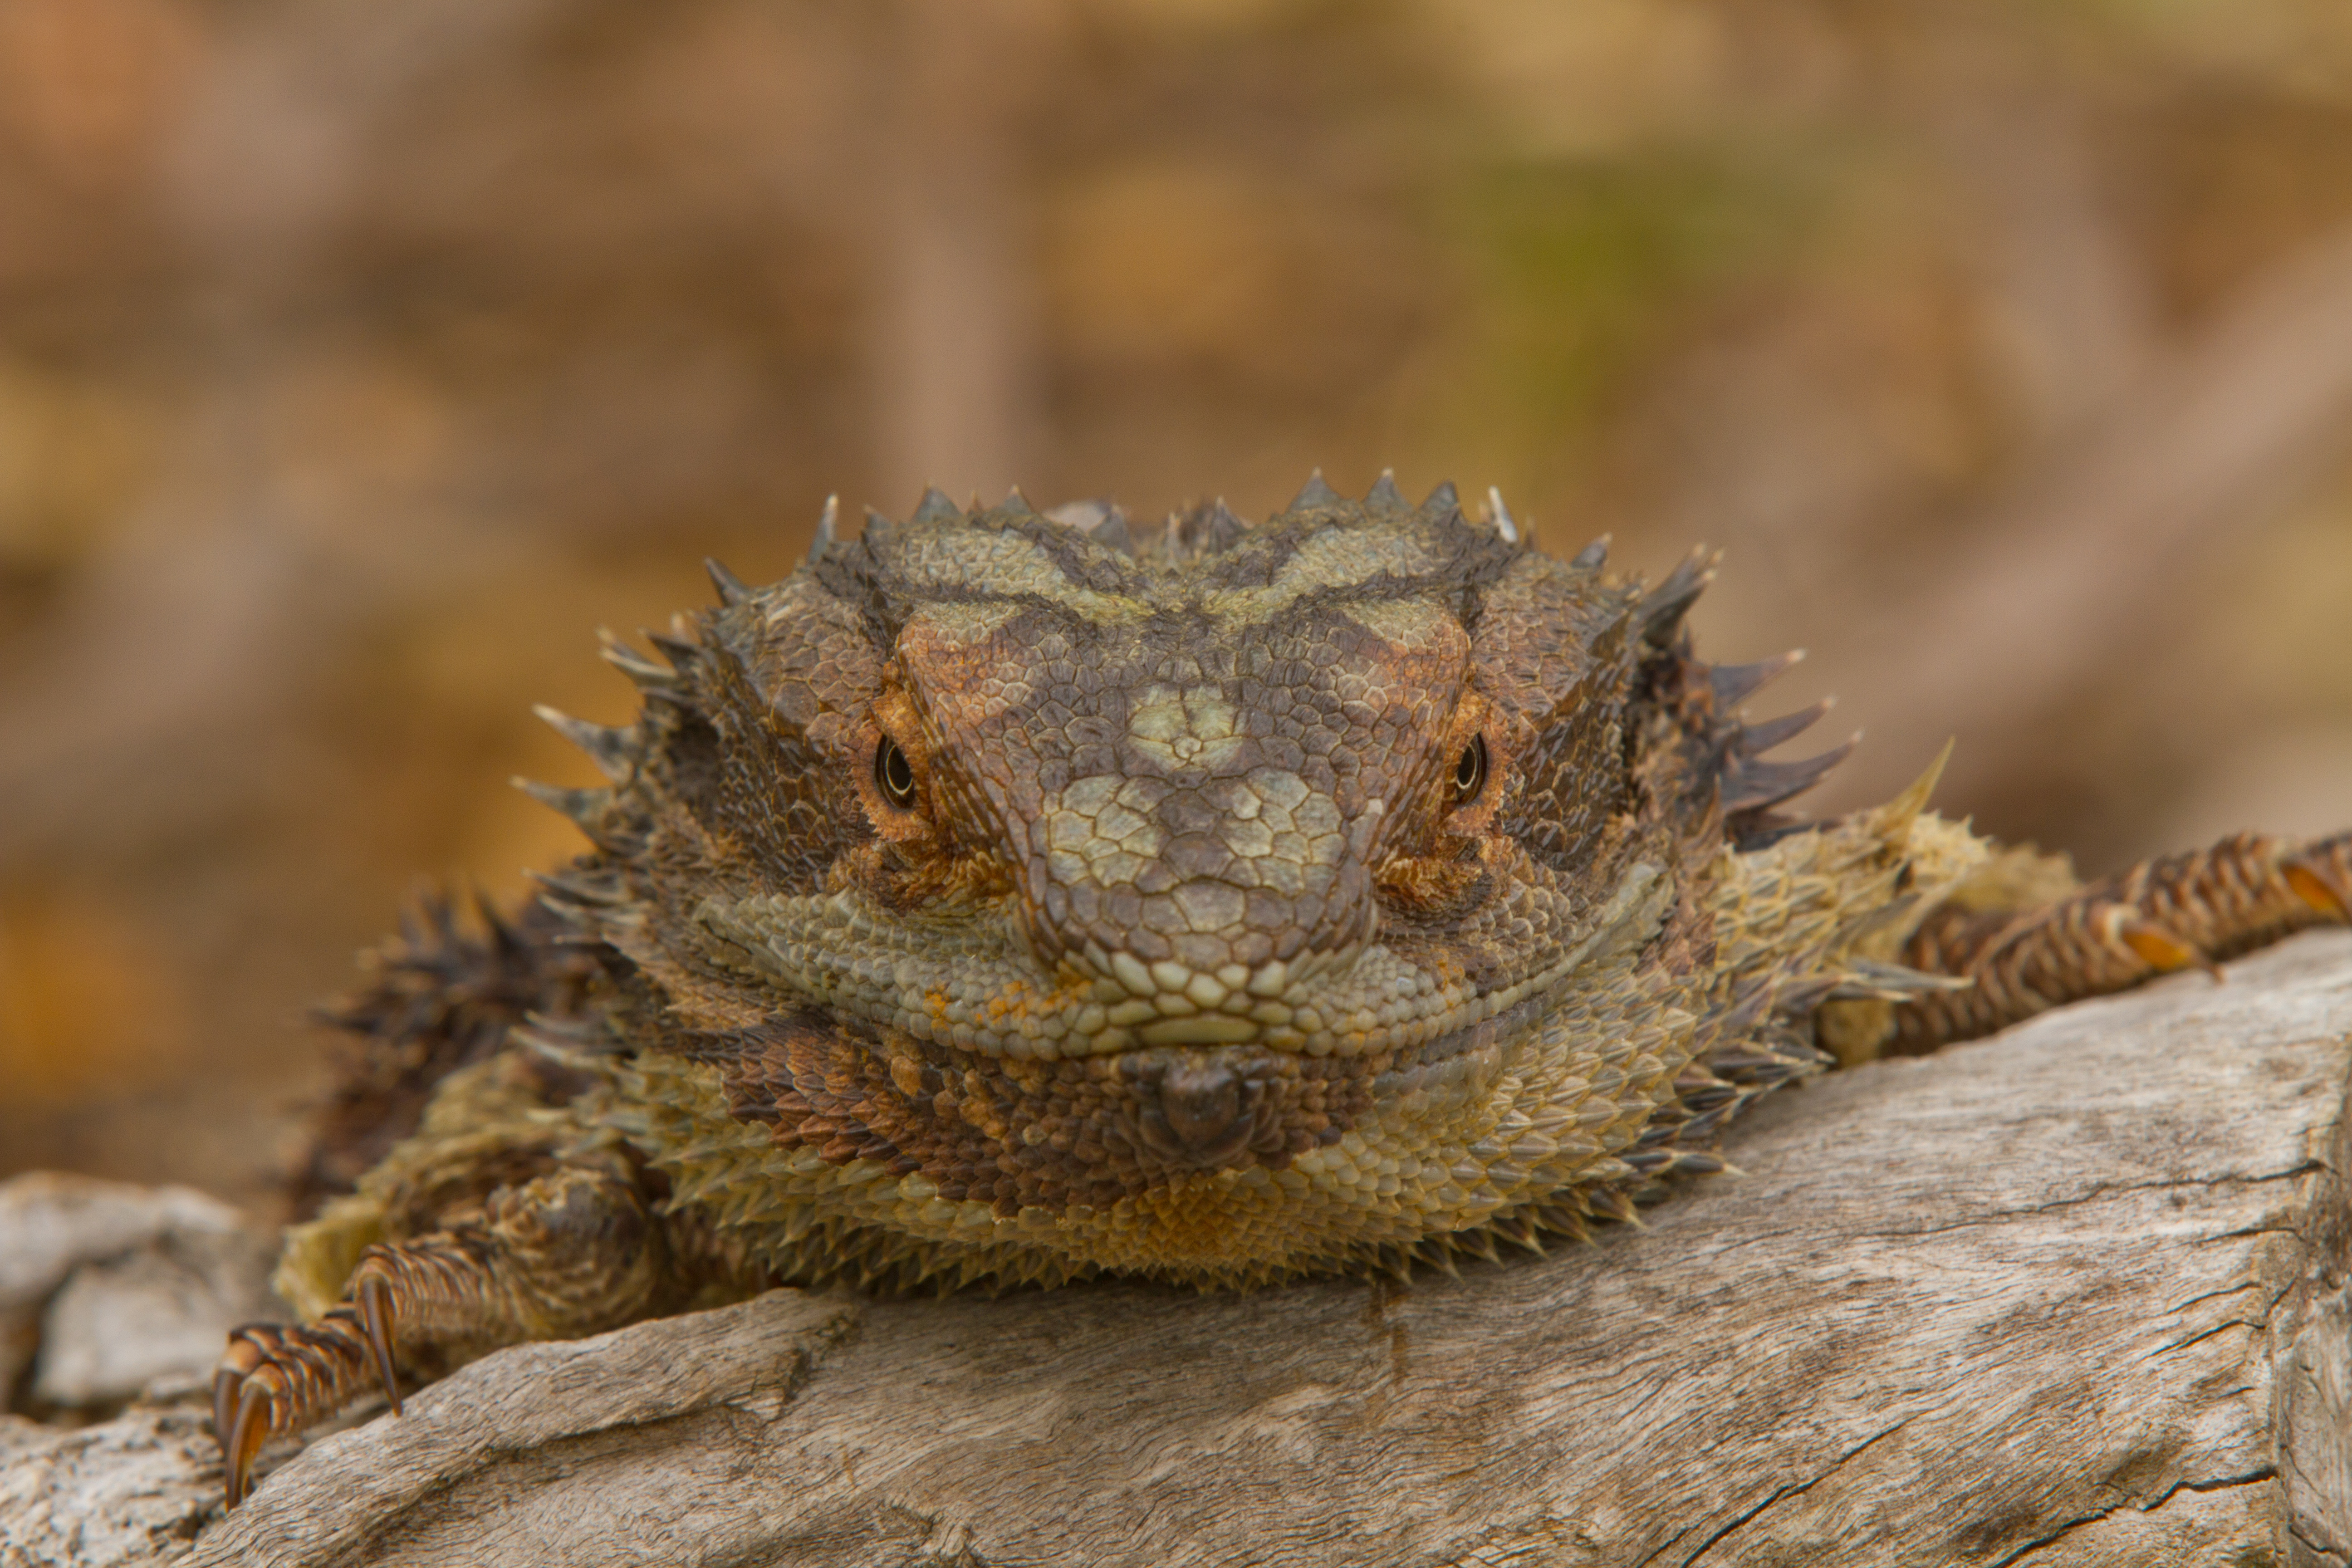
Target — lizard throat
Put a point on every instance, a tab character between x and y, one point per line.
1192	1165
1088	1130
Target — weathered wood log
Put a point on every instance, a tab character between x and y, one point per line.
106	1288
2072	1294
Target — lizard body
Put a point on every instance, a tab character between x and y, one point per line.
998	902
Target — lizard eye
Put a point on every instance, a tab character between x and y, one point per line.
1470	772
894	773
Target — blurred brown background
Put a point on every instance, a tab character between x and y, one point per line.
356	359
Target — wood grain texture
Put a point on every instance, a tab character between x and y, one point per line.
127	1493
2072	1294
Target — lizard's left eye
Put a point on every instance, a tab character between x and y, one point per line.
894	773
1470	772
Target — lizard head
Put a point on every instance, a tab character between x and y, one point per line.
1243	900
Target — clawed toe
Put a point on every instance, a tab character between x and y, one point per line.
245	1401
2156	946
278	1378
375	1323
2320	882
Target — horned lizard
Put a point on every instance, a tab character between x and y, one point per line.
1007	899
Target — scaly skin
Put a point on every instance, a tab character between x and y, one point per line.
996	902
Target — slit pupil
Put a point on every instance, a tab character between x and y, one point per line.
1470	772
894	773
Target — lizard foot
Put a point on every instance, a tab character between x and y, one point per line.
570	1253
2175	912
279	1378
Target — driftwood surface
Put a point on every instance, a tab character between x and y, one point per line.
2072	1294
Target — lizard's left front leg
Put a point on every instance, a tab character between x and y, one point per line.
570	1253
2179	911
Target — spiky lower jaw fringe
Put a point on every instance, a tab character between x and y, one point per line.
1531	1140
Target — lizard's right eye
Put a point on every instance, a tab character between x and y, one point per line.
894	773
1470	772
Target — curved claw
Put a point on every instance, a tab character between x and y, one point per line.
225	1383
255	1409
2314	881
278	1378
375	1322
235	1396
2157	947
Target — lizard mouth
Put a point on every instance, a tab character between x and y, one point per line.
1089	1131
893	1062
975	986
1189	1158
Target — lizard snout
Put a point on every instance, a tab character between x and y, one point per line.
1207	901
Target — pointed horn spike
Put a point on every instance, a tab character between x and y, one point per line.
681	652
1384	492
614	752
1445	499
502	934
1500	515
573	887
1757	739
1111	532
633	663
828	523
584	806
1894	819
1734	683
731	588
936	507
1315	492
1751	785
1211	530
1662	613
1593	556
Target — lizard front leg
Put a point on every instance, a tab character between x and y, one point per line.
570	1253
2179	911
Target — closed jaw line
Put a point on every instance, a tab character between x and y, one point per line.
837	952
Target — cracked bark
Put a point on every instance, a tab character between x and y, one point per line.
2074	1295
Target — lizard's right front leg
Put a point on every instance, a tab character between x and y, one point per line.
2174	913
568	1254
